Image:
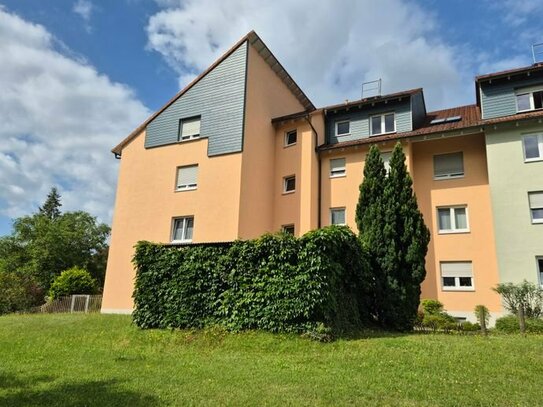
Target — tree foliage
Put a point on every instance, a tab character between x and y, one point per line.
45	243
392	229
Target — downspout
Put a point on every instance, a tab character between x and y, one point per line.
319	187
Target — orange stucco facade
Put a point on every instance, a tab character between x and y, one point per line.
241	195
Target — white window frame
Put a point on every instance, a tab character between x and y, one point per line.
338	209
457	286
284	228
539	143
448	176
527	91
382	115
186	187
341	122
338	172
539	270
286	143
191	136
537	220
184	219
285	179
453	229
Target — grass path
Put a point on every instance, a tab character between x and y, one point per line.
99	360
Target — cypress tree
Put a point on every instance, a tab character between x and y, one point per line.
51	207
406	238
370	219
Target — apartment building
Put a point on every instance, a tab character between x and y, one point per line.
242	151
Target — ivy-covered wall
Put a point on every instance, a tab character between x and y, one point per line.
277	282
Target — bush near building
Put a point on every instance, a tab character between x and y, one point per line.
72	281
318	283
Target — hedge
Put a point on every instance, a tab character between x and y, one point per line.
277	283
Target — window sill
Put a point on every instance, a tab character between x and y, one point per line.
288	192
453	232
343	135
190	139
180	241
528	110
537	221
461	289
533	160
186	189
338	176
288	145
448	178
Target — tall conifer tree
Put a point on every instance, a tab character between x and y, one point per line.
406	238
370	213
51	207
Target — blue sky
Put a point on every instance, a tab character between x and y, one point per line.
78	75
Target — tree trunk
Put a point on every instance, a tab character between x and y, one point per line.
521	320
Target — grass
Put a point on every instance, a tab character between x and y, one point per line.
103	360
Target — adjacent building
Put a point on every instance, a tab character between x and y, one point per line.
242	151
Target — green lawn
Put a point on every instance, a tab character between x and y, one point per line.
60	360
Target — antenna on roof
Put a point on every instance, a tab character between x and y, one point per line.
371	88
537	52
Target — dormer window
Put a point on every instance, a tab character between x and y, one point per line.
343	128
189	128
529	99
382	124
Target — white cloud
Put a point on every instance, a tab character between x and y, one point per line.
329	47
84	8
60	118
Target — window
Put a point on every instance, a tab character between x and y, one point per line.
337	216
182	229
453	219
343	128
456	276
291	138
533	147
337	167
187	178
289	184
536	206
382	124
189	128
449	165
529	99
386	160
288	229
540	269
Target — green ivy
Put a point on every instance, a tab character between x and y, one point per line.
277	283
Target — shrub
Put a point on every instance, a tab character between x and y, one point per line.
18	292
509	324
469	326
431	307
277	283
72	281
440	320
526	295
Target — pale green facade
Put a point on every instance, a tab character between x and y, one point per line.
519	242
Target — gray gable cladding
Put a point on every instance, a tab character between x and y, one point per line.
498	99
219	98
360	123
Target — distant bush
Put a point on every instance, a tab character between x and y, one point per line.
525	295
509	324
316	284
468	326
72	281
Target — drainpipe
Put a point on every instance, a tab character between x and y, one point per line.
319	187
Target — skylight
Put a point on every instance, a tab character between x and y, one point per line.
446	120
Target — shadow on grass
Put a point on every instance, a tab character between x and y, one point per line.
34	391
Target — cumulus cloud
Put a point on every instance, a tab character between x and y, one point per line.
60	117
329	47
